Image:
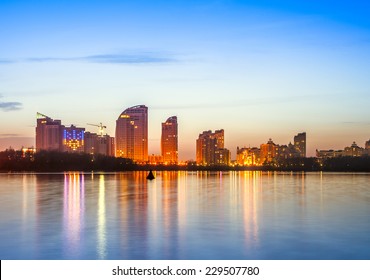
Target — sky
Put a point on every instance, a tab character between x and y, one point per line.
257	69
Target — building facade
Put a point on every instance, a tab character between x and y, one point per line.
248	156
49	134
351	151
367	145
155	159
210	148
222	157
300	144
169	141
132	134
269	152
367	148
73	139
99	144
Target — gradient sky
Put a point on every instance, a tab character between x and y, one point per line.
258	69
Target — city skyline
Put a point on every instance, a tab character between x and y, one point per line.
258	70
131	140
132	130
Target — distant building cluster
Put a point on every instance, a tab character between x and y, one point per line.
132	137
210	149
130	141
52	135
270	152
352	151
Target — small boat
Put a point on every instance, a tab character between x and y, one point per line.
150	175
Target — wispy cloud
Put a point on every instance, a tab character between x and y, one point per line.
6	61
127	58
6	135
356	123
10	106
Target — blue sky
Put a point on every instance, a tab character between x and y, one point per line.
258	69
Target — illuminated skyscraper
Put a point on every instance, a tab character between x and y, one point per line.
132	134
300	144
169	141
73	139
210	148
269	151
48	134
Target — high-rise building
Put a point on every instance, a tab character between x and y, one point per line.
269	151
169	141
73	139
222	157
300	144
99	144
48	134
367	148
208	145
132	134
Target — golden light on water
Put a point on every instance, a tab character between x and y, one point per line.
73	210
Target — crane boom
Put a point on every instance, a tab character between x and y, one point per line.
101	127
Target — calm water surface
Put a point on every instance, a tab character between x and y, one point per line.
185	215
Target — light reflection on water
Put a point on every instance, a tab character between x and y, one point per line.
185	215
73	212
102	239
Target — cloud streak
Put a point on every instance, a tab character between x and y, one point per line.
129	58
6	61
6	135
10	106
356	123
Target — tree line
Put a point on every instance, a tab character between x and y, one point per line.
52	161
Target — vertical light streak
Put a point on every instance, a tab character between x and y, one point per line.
25	198
250	205
182	210
102	238
321	194
73	211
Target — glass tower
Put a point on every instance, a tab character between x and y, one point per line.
169	141
132	134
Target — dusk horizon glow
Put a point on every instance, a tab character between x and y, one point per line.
257	69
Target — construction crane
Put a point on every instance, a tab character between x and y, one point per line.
101	127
